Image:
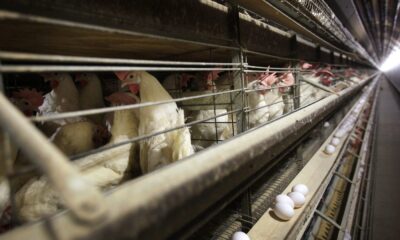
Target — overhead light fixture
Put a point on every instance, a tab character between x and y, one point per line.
392	61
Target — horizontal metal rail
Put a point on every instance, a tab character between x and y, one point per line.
67	68
15	56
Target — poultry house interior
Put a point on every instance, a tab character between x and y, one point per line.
205	119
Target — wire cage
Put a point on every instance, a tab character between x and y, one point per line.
208	102
219	101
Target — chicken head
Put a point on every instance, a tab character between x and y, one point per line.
326	76
101	135
27	100
53	78
287	80
130	79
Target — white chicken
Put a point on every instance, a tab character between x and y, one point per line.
90	94
258	103
308	92
79	134
179	82
64	97
285	89
205	134
104	169
165	148
352	76
78	137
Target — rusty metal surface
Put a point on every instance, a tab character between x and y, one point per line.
155	17
178	30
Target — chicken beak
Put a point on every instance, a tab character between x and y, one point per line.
124	84
121	75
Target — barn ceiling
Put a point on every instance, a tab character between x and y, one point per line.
375	23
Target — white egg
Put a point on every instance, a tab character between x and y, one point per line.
335	141
330	149
240	236
326	124
297	198
283	211
301	188
340	133
282	198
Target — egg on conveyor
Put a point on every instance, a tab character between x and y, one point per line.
297	198
330	149
335	141
301	188
283	211
340	133
282	198
240	236
326	124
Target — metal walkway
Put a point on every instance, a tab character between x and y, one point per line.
386	188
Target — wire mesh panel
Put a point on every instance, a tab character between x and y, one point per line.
117	121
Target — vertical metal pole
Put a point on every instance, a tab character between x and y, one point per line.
332	57
213	89
240	98
296	88
294	102
240	103
238	81
318	53
231	103
247	218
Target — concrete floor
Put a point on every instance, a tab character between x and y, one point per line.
386	188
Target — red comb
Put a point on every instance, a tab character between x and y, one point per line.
268	79
306	66
288	78
121	75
